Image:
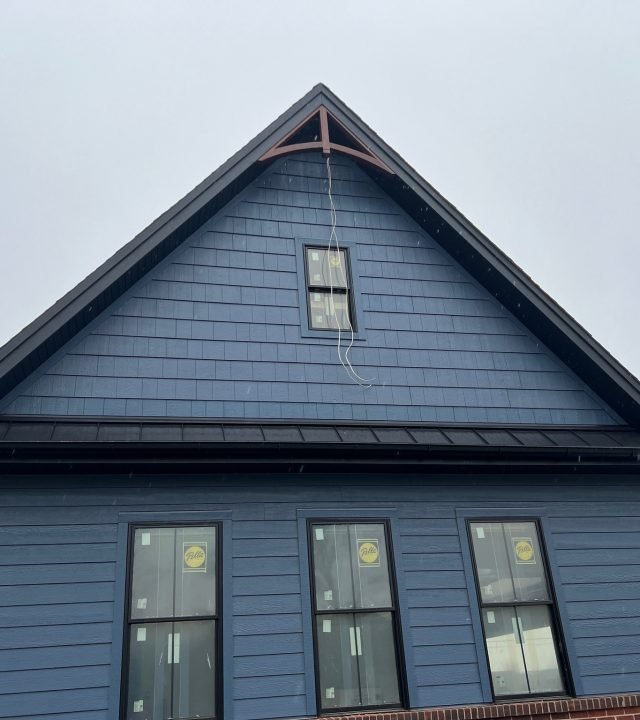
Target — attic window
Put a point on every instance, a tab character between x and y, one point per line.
328	289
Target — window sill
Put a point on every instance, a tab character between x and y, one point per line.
332	335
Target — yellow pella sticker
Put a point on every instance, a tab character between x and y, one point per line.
195	557
334	260
368	553
523	548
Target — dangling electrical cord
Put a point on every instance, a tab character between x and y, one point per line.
346	363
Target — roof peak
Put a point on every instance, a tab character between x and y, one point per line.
492	268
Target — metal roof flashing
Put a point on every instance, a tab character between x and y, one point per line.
72	445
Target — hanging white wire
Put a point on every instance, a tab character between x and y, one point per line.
333	237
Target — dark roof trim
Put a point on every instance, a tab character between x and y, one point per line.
514	288
99	445
164	458
24	432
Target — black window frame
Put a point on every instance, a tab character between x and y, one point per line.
552	604
394	611
130	623
348	292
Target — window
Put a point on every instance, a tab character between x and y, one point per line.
355	623
172	624
329	294
518	614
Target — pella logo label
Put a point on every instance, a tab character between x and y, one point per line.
195	557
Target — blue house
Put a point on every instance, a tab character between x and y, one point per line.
311	444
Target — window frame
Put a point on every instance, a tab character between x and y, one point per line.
319	335
560	645
398	645
326	289
217	619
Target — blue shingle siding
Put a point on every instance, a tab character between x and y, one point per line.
215	330
59	574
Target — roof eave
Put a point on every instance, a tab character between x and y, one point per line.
513	287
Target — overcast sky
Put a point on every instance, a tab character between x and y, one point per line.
525	115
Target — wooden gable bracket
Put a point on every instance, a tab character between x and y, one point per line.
324	143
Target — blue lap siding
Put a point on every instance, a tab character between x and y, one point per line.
61	614
218	329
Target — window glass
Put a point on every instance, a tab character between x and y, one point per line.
517	609
357	660
351	566
526	562
171	671
153	570
173	572
328	289
195	571
326	269
356	650
505	651
522	651
509	562
328	312
377	659
172	624
539	649
337	661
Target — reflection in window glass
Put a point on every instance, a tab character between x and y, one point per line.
172	624
351	567
520	636
170	671
328	289
323	273
173	572
357	660
327	311
152	578
505	652
508	562
356	651
539	649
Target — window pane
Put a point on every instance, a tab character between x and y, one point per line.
153	571
149	688
506	660
328	315
337	661
351	566
160	554
526	561
377	659
171	664
324	274
539	649
357	660
332	567
194	669
509	562
195	592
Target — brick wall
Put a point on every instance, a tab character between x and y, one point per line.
609	707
